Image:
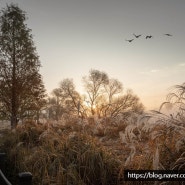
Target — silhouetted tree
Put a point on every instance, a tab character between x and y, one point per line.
21	87
113	88
106	98
125	105
55	108
70	96
94	84
65	100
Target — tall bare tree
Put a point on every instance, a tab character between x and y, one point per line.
94	84
21	86
106	98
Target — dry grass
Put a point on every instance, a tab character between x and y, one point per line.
60	155
79	153
96	151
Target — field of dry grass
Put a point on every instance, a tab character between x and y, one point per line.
97	151
60	154
87	153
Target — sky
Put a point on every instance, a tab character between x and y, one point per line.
74	36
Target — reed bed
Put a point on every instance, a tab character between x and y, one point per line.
59	156
97	151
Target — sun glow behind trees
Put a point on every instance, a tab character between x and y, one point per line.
103	97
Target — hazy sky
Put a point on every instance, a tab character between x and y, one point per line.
74	36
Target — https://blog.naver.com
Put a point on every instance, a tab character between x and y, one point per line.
154	175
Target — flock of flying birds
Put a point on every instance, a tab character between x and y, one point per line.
146	37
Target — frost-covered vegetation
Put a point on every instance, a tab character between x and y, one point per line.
85	139
97	150
60	154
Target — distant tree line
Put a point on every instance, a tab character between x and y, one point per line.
104	97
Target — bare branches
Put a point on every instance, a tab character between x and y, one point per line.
106	96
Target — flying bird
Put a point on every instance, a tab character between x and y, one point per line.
137	36
149	36
167	34
130	40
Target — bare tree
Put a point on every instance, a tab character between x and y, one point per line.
106	98
125	105
55	108
70	95
94	85
114	87
121	105
66	100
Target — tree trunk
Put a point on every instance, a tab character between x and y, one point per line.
38	116
14	121
13	98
